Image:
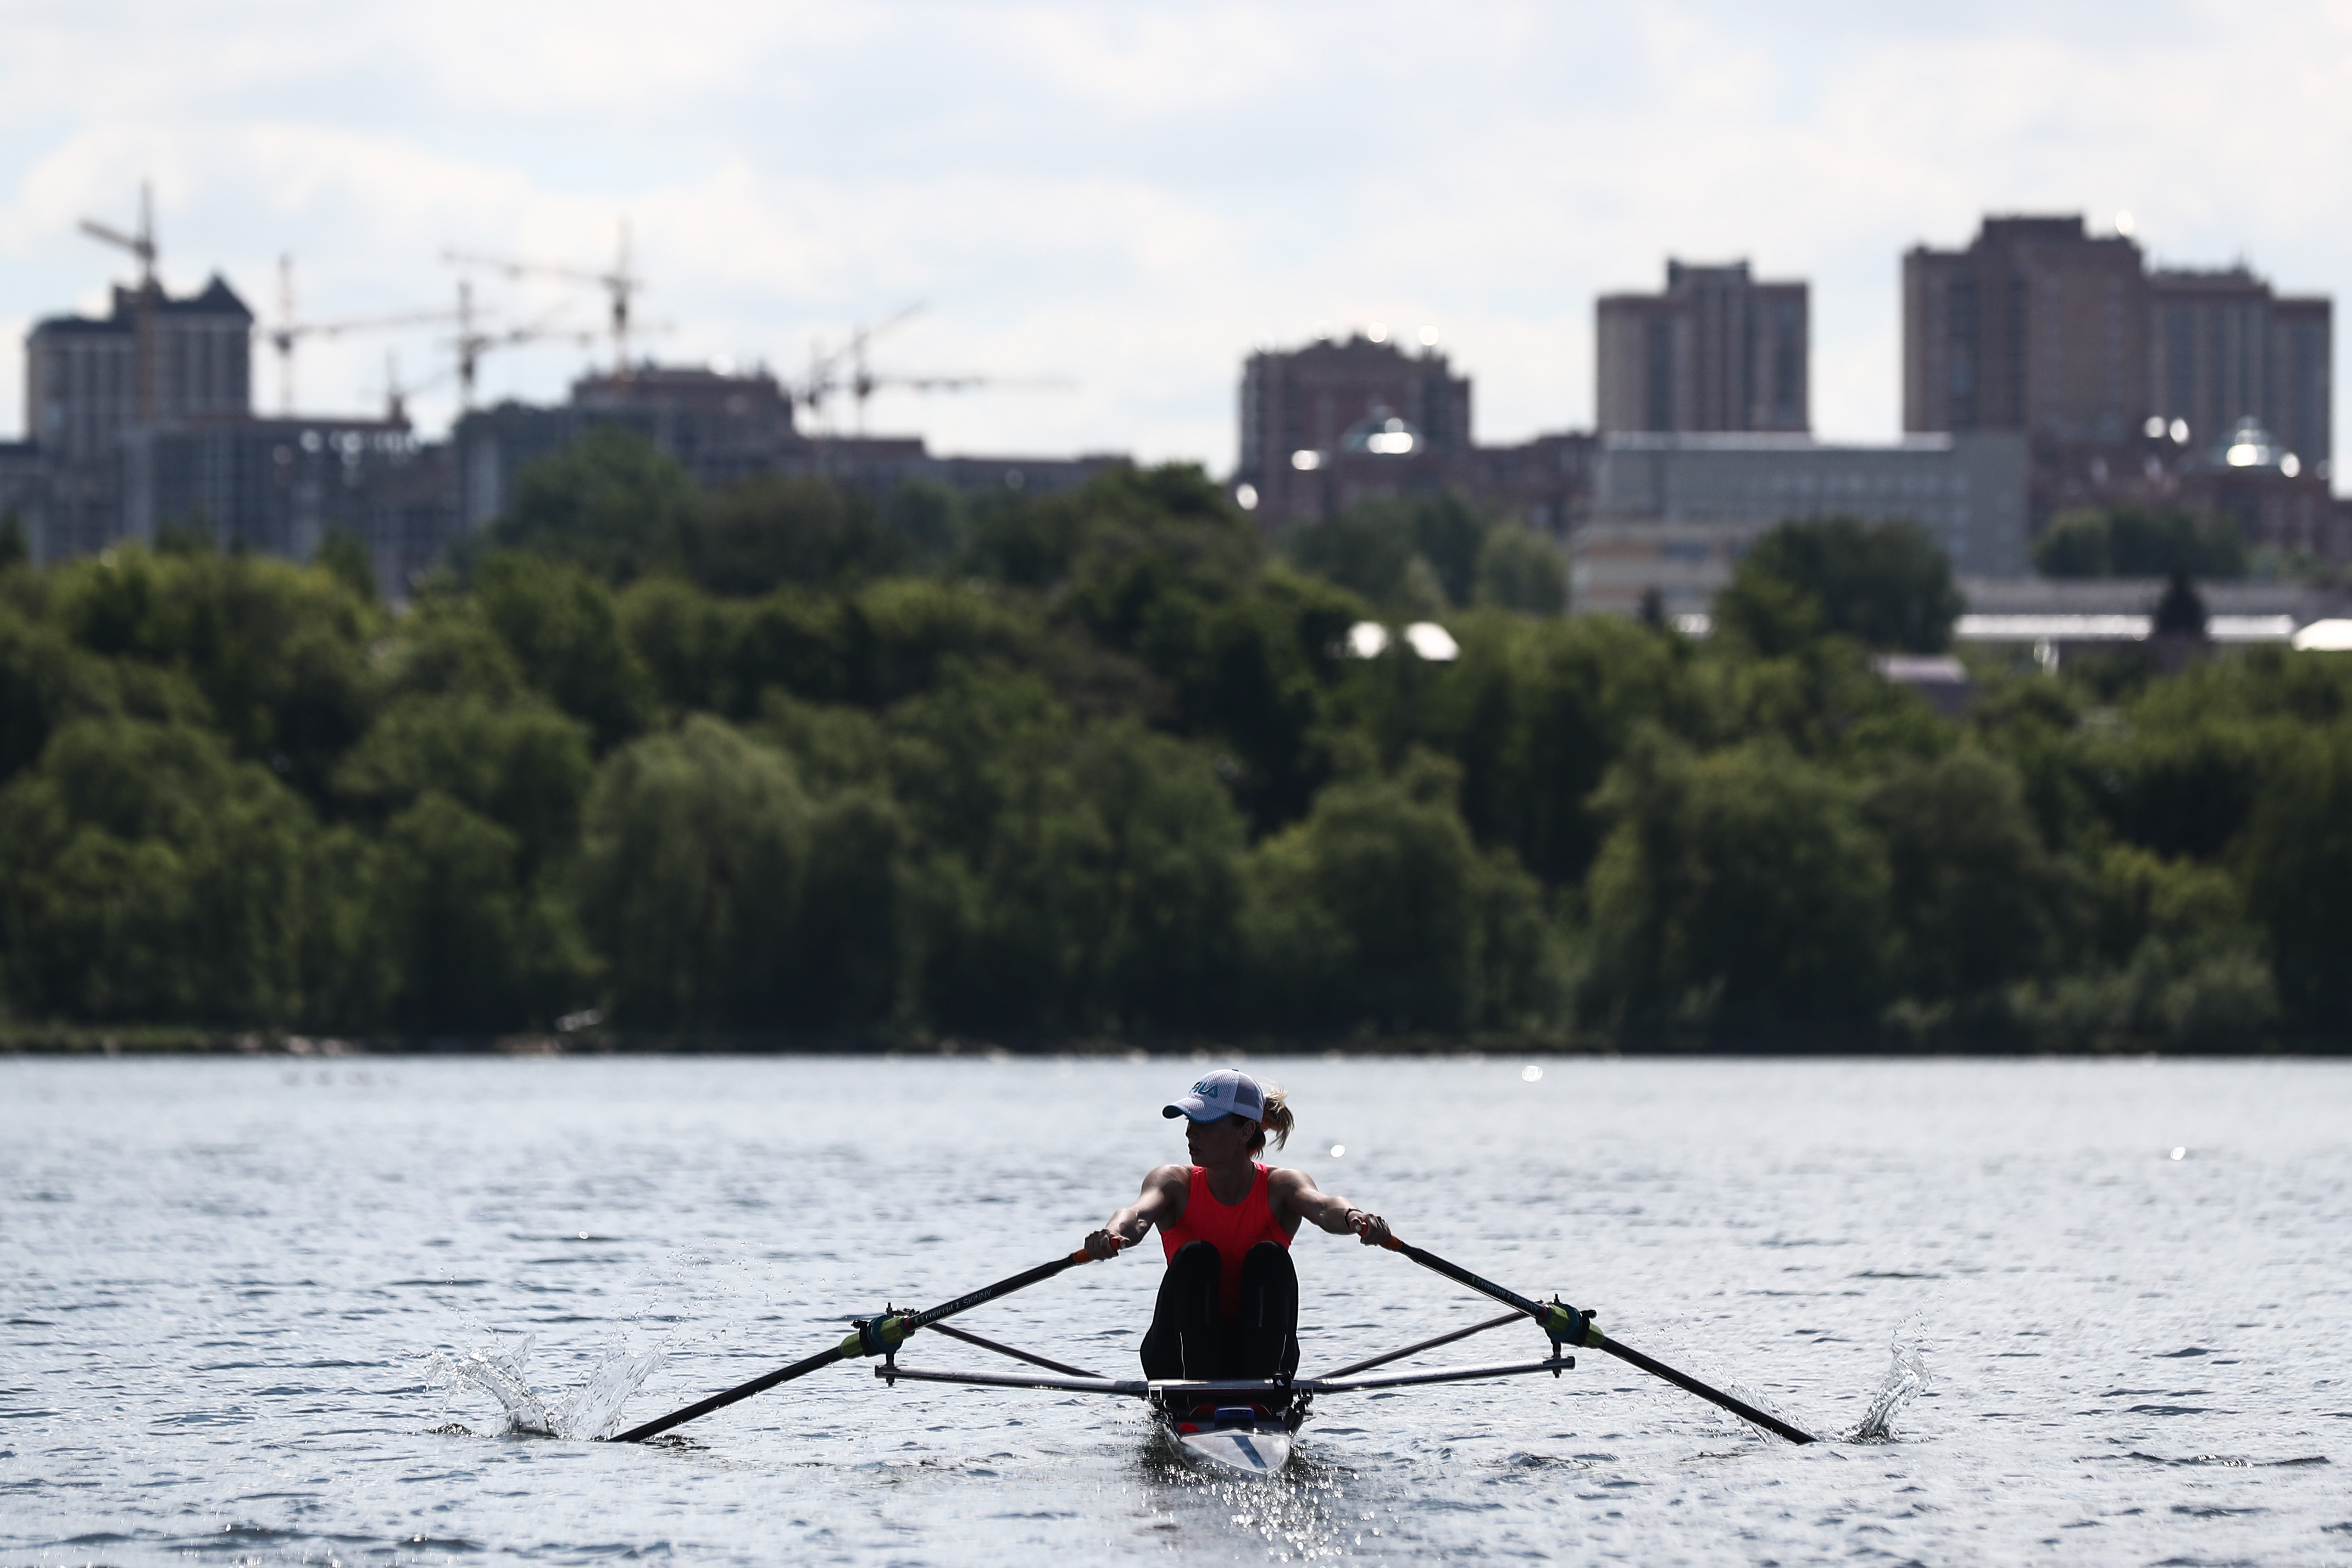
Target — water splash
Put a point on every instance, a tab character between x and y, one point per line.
591	1411
1907	1379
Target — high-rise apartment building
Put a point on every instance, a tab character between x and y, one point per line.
152	360
1717	350
2037	326
2223	348
89	381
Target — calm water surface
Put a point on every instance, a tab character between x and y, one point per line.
228	1285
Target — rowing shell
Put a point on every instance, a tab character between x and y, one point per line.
1261	1448
1248	1428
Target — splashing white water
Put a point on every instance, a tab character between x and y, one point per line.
591	1411
1907	1379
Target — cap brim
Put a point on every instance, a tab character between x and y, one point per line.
1198	1110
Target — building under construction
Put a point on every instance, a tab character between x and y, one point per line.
141	421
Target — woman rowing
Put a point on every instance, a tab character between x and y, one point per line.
1228	1305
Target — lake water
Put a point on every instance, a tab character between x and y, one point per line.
234	1287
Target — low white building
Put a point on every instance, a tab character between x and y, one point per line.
1673	513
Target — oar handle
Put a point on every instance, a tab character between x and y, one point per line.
1564	1324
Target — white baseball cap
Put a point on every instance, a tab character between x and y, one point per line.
1228	1091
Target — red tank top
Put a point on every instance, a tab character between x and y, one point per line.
1232	1229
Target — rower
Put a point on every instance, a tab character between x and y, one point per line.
1228	1305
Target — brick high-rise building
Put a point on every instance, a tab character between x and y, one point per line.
2222	348
2129	385
2036	326
1719	351
1312	418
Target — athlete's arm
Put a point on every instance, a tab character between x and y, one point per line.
1161	1203
1294	1192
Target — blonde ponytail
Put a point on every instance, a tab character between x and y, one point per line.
1277	1118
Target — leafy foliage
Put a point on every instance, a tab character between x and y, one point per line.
1885	584
792	761
2131	542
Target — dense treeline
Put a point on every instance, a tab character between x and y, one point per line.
2136	541
781	762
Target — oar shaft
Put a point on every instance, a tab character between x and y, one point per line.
888	1334
988	1293
1462	1275
721	1401
1738	1407
1594	1338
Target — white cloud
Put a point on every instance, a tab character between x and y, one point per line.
1134	197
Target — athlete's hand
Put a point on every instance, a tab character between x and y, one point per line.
1104	1245
1370	1228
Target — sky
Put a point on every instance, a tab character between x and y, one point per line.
1121	201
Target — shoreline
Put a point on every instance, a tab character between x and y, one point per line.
154	1041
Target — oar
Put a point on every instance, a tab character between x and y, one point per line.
1565	1325
878	1337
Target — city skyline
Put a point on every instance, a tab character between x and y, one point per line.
1135	203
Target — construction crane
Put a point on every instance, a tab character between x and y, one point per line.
396	391
140	243
845	369
472	340
290	332
621	284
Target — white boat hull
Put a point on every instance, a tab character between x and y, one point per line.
1260	1450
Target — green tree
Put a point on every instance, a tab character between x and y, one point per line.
2296	861
2181	611
280	652
1260	685
1161	547
145	874
900	637
479	946
1175	865
564	629
1885	585
929	520
445	646
1738	891
1976	902
1519	569
45	682
1012	895
2174	963
1416	554
689	642
611	503
520	764
770	529
344	556
1535	714
1379	912
1372	552
2133	542
697	856
1448	534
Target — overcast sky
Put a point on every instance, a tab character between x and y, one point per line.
1131	197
